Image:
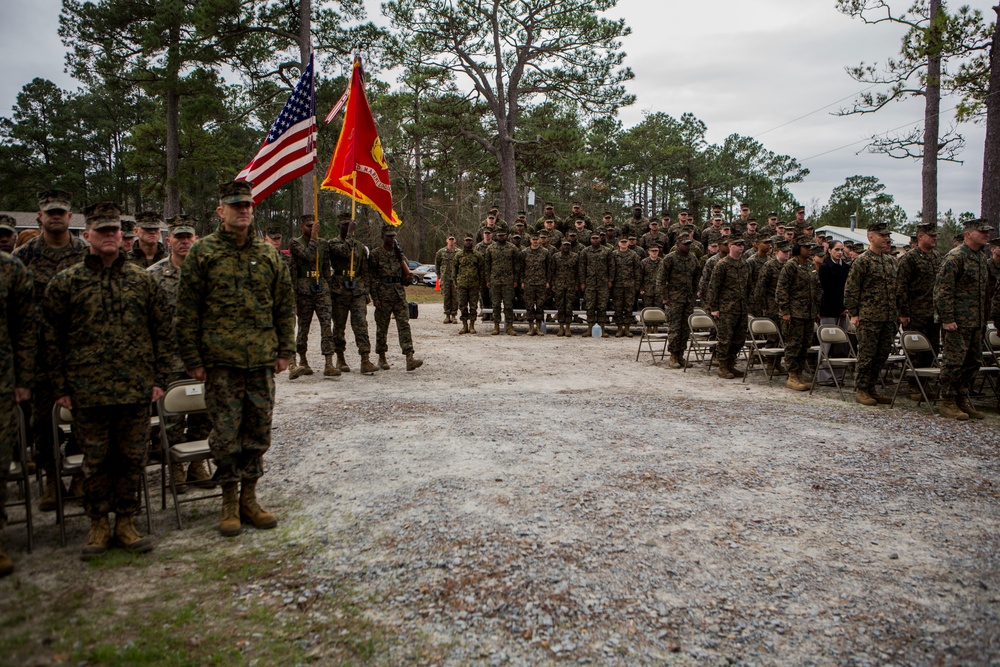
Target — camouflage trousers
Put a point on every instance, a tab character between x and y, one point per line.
42	399
9	443
565	300
502	294
354	304
395	308
305	306
732	328
874	345
186	429
240	402
534	301
622	300
466	299
678	327
798	335
962	358
596	299
448	293
932	330
114	440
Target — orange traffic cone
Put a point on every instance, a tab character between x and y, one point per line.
437	285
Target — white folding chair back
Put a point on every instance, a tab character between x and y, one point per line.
182	398
651	319
832	335
914	343
701	342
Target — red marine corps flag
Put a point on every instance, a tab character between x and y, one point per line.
358	167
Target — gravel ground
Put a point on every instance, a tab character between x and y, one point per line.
538	501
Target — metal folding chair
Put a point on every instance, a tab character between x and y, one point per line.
651	319
19	475
914	343
760	329
701	342
833	335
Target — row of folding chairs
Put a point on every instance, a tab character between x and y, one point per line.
181	399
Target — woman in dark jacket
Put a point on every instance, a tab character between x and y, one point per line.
833	276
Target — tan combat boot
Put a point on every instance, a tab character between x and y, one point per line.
864	398
965	405
533	329
628	331
675	361
198	475
619	332
177	477
330	370
367	367
604	331
76	486
413	364
229	522
795	382
304	365
880	399
6	564
949	410
472	326
47	503
342	363
496	328
510	330
447	319
725	373
251	510
129	538
465	328
292	367
382	363
98	540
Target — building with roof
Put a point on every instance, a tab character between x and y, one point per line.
846	234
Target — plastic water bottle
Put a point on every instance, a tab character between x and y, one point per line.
596	331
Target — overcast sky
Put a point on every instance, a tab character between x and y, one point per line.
739	66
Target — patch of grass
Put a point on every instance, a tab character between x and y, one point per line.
420	294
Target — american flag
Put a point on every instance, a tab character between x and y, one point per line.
290	148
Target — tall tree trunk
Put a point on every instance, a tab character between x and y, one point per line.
990	203
508	180
305	48
932	110
172	205
418	193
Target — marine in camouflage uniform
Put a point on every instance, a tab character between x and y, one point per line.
597	273
150	224
349	294
49	253
654	235
757	260
648	270
916	272
167	275
762	299
17	368
626	284
960	301
708	267
504	265
311	278
536	279
235	330
106	303
728	299
677	284
470	276
484	294
797	295
389	275
444	266
566	281
870	299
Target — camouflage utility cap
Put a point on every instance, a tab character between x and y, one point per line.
180	224
388	230
275	232
147	220
977	225
8	222
103	215
930	230
128	229
51	200
236	192
879	228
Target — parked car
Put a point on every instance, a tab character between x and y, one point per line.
412	264
430	279
417	274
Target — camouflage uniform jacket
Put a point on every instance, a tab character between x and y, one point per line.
340	261
470	269
798	292
627	273
730	288
707	268
388	283
596	265
138	257
649	238
235	304
677	281
537	266
444	264
481	248
168	278
498	227
566	270
711	234
648	268
916	272
304	277
960	288
756	263
504	264
44	262
763	300
634	226
89	310
870	292
18	337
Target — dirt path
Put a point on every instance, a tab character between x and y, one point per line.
531	499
